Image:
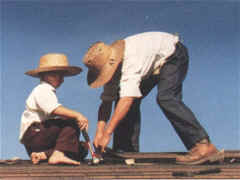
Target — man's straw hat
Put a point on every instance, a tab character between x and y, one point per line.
102	61
54	62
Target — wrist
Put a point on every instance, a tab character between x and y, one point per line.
101	126
108	131
99	132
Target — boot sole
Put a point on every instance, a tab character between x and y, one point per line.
216	157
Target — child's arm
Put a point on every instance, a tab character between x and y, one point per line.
82	121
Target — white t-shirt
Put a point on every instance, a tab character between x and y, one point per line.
39	105
144	53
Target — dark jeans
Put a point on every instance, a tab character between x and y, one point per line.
57	134
169	98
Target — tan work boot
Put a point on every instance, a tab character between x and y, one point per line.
202	152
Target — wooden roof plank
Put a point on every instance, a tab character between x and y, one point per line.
158	165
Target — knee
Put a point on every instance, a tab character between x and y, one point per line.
71	130
163	99
72	125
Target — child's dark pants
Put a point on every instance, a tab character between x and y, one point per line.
51	135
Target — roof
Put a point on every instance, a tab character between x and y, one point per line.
147	166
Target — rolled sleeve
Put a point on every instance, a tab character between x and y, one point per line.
131	75
129	86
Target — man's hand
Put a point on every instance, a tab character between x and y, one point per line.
104	141
103	134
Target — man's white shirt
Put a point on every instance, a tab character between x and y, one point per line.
143	53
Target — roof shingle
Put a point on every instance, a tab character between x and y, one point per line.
147	166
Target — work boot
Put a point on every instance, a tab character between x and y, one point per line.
202	152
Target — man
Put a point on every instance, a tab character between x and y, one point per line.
129	69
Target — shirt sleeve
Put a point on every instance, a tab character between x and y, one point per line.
46	100
131	78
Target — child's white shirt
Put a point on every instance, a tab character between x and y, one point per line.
39	105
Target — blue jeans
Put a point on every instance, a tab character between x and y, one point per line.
169	98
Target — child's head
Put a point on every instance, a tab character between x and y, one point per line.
53	68
55	78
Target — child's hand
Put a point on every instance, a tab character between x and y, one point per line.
82	122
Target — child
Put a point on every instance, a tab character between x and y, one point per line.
49	131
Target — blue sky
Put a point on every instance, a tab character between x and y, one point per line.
210	30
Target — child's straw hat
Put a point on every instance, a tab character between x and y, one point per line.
102	61
54	62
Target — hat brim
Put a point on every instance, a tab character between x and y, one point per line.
67	70
98	79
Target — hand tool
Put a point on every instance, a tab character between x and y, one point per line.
95	158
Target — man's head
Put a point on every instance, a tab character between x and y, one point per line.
55	67
102	61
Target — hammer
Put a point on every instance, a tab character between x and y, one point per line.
95	159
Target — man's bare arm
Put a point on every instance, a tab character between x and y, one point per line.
120	112
104	113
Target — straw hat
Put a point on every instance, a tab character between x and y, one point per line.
54	62
102	61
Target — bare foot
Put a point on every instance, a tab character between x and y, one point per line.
59	158
36	157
